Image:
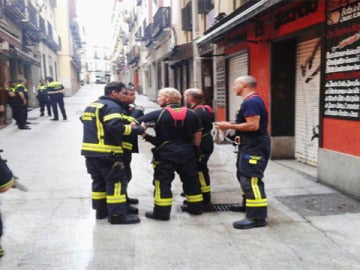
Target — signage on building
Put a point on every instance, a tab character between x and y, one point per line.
342	60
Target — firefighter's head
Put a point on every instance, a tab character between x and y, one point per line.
116	90
168	96
193	96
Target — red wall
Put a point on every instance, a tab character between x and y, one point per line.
341	136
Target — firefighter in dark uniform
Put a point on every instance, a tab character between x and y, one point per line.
23	99
7	181
56	93
44	100
130	142
194	99
13	101
253	153
104	127
178	132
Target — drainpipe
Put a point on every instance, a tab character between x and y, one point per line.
196	36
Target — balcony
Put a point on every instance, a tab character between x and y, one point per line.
134	55
204	6
51	39
148	35
75	32
186	13
15	9
42	28
30	22
161	21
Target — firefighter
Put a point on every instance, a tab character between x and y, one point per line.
7	181
44	100
56	93
104	127
194	99
178	136
130	142
13	101
253	151
23	101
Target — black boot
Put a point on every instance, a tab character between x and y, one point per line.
248	223
191	210
131	210
123	219
101	213
131	200
153	215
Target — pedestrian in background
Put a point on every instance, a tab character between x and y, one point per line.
253	151
23	99
13	101
44	100
178	132
104	127
195	100
56	93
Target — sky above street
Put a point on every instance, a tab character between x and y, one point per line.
95	17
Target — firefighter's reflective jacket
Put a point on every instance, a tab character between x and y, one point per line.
104	123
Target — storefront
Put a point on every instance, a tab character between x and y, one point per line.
339	155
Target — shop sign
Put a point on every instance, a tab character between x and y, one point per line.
342	60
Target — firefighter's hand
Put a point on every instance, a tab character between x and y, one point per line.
2	108
138	129
223	125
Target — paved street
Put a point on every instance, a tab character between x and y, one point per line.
52	226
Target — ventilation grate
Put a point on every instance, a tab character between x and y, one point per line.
221	207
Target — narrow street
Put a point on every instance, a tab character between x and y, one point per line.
52	226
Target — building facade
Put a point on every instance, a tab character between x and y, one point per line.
39	38
303	53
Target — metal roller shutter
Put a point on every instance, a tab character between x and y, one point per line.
307	99
238	66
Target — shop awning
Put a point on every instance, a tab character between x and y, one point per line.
181	52
242	17
27	58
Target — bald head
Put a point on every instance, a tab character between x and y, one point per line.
193	96
250	80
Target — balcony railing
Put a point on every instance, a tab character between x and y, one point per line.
75	32
161	21
186	18
51	39
204	6
30	22
148	35
15	9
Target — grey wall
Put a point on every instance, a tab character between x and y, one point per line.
340	171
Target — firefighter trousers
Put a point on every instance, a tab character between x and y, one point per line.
109	185
164	174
